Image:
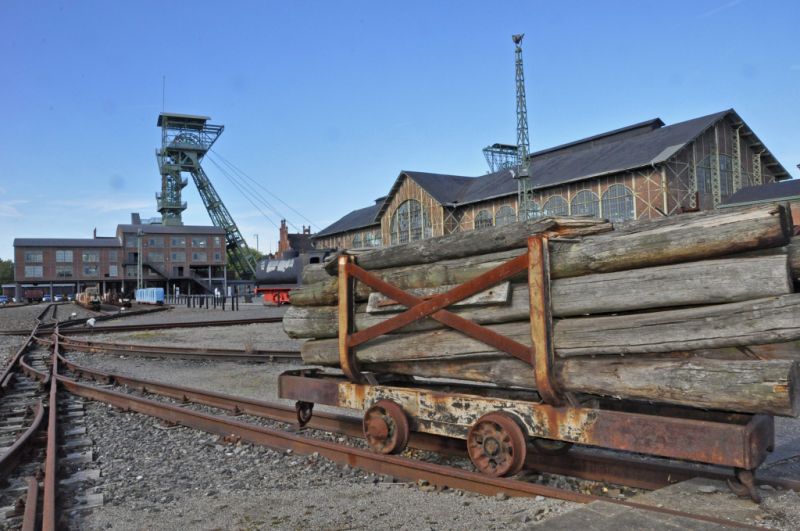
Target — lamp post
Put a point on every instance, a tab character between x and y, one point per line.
257	249
139	234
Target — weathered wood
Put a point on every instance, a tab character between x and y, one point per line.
743	386
642	244
738	324
794	256
461	244
635	244
687	284
500	294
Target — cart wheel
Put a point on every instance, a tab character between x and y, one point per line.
497	445
304	412
386	427
550	446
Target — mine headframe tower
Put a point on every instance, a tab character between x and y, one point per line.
525	204
185	139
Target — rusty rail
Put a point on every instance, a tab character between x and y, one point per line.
29	518
180	352
400	467
581	463
166	326
12	456
51	463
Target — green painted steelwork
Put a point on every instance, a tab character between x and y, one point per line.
185	139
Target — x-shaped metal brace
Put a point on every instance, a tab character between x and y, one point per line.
540	354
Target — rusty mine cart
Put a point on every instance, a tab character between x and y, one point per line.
497	424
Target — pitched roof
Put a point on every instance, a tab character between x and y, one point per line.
779	191
624	149
67	242
357	219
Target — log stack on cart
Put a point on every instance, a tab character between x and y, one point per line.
646	325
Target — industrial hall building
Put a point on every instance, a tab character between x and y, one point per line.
644	170
188	258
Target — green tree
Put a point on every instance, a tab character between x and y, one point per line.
6	271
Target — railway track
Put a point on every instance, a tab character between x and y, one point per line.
116	390
257	355
400	467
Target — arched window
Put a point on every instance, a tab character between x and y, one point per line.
410	222
357	241
504	216
618	203
556	206
585	203
534	211
483	219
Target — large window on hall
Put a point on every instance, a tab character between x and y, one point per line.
725	176
483	219
556	206
585	203
705	176
410	222
504	216
618	203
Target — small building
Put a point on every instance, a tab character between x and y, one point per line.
641	171
189	259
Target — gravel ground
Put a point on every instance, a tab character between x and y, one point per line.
165	478
9	345
23	317
178	478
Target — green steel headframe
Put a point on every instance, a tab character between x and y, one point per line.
185	139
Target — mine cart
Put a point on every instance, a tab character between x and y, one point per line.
497	423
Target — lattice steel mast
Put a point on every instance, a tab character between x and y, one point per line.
525	203
185	139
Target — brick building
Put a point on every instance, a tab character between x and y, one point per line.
645	170
192	259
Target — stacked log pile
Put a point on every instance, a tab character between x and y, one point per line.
696	310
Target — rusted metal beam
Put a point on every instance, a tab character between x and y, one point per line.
419	308
542	351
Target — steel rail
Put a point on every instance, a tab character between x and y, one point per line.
179	352
5	376
12	456
166	326
581	463
396	466
31	503
51	464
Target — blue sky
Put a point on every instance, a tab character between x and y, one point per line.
325	102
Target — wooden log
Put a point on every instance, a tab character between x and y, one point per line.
671	240
496	295
794	256
687	284
462	244
738	324
743	386
635	244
